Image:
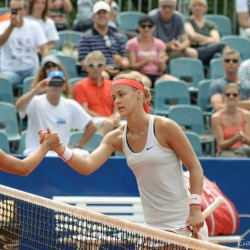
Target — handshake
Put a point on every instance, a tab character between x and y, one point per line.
51	140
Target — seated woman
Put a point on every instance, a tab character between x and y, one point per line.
231	126
48	64
147	54
204	36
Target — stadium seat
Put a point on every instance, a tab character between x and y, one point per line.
195	141
69	65
238	43
223	23
74	80
91	145
27	84
6	90
191	117
21	145
216	69
190	70
4	142
4	10
129	20
68	35
9	121
167	93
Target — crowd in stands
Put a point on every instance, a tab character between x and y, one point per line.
29	34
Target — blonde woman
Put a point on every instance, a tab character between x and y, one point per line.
231	126
155	148
203	34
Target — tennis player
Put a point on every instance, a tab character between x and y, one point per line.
155	148
24	166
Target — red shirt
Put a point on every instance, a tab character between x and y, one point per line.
98	98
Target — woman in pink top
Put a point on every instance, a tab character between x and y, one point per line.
231	126
147	54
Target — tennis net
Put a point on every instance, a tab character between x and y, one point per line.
28	221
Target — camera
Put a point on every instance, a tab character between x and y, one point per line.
56	82
14	11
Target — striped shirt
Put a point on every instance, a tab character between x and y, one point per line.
111	44
217	87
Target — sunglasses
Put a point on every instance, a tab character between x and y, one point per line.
231	94
171	7
108	43
95	65
50	65
146	26
231	60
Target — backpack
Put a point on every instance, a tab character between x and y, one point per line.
225	219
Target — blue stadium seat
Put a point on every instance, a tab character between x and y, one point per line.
216	69
195	141
4	142
223	23
167	93
129	20
6	90
238	43
190	70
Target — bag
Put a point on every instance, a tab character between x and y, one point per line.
69	48
225	219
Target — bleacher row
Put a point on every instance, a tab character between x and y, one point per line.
193	83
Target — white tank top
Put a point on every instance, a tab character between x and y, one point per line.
160	179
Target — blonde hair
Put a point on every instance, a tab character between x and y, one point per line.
203	2
96	54
130	74
232	85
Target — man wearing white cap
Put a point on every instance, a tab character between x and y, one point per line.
106	39
170	29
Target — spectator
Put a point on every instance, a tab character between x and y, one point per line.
231	126
203	34
83	20
114	20
58	13
48	64
243	10
93	93
170	29
50	109
20	39
231	63
244	71
104	38
147	54
38	12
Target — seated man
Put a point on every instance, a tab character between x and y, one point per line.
106	39
170	29
52	110
20	39
93	93
231	63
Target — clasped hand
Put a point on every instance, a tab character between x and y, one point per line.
50	139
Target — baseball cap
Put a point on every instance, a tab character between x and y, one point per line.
57	74
50	58
101	5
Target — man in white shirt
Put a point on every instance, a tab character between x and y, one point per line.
20	39
243	14
53	111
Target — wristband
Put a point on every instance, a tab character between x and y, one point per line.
195	199
67	154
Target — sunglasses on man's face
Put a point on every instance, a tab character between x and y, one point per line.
170	7
231	94
95	65
228	60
